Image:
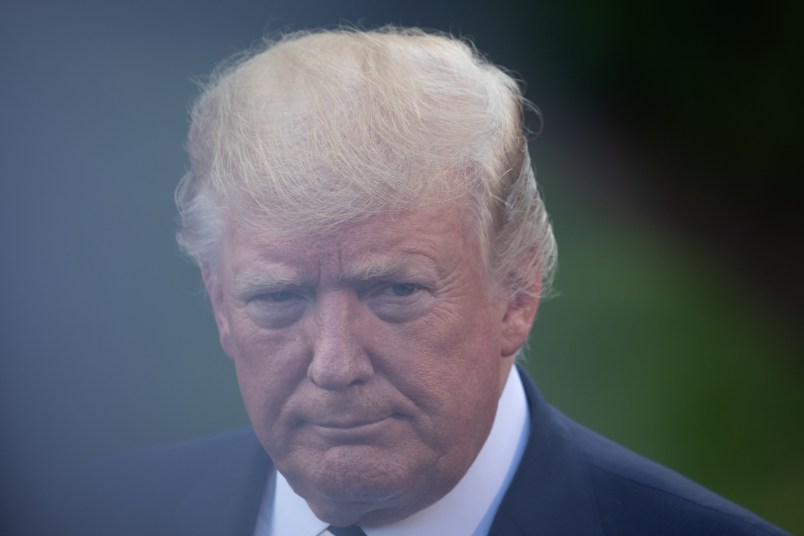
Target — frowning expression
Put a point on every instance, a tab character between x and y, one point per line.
370	358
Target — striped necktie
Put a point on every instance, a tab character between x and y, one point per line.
353	530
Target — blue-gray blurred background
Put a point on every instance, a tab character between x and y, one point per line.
670	161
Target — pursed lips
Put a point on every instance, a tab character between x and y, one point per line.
341	428
347	423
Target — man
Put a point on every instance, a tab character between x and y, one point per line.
368	228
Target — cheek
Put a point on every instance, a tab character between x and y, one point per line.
448	364
269	366
449	371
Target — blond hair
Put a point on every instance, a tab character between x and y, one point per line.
328	127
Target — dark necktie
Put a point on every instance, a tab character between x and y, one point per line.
353	530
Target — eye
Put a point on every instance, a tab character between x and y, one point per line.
277	309
277	297
403	289
399	302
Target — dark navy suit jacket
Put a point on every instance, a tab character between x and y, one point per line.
570	481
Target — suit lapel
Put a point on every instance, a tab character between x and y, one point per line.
551	492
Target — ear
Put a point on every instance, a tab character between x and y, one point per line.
215	293
518	319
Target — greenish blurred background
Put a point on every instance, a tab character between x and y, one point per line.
670	164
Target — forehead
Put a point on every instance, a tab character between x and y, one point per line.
372	247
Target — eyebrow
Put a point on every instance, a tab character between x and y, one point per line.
384	268
278	277
249	284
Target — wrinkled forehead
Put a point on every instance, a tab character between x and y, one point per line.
316	205
420	241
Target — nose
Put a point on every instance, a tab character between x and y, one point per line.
339	359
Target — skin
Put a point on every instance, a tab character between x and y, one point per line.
370	358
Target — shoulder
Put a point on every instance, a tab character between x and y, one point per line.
167	489
180	459
634	495
156	473
573	481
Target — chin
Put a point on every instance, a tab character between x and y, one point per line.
348	483
362	473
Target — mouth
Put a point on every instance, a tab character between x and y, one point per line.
351	429
346	423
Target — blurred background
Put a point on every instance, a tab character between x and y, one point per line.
669	163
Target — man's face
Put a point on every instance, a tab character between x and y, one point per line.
370	358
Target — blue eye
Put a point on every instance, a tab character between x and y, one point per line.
403	289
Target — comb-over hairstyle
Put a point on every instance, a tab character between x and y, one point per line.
322	128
